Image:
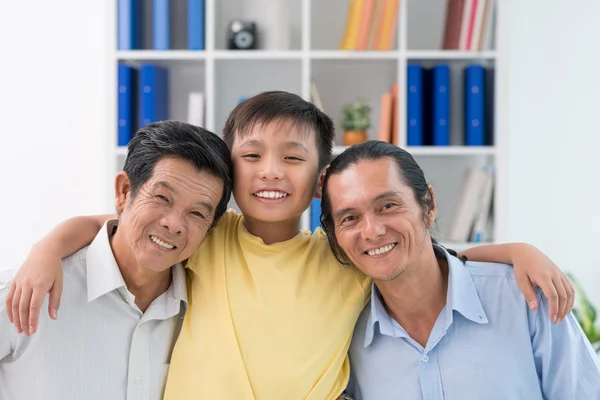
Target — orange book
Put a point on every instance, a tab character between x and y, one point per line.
365	23
378	8
352	25
395	115
388	27
385	118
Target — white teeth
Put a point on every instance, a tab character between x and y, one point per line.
161	243
270	195
381	250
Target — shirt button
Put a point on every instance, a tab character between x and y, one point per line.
424	359
137	380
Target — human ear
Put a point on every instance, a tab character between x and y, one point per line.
319	192
432	208
122	191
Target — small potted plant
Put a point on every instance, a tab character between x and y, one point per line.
586	316
355	121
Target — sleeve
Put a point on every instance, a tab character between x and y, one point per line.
7	330
567	366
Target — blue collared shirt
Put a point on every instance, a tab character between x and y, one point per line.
485	344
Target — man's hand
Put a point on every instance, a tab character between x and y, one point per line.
41	273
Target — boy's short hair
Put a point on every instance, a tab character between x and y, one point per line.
285	108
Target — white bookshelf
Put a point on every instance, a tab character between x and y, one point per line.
316	30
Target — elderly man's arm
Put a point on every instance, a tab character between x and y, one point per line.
532	268
567	365
42	272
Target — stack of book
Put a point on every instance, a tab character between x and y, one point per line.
370	25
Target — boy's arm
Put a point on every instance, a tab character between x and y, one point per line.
566	364
42	270
532	268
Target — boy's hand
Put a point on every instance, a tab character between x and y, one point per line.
40	273
533	268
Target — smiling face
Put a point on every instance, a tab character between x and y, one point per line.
377	220
169	216
275	172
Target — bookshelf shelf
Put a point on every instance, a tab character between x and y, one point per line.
257	55
440	151
449	55
160	55
353	55
316	29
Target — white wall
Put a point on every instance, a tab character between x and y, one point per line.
53	92
52	116
554	136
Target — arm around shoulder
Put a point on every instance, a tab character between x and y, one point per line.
41	273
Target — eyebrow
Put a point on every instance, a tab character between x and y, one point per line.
391	193
294	145
289	145
204	204
252	142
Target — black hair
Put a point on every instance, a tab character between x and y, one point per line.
282	107
204	149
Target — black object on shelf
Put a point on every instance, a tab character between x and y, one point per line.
241	35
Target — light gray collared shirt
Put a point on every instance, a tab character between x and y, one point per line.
102	346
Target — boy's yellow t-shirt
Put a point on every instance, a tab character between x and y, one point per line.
265	322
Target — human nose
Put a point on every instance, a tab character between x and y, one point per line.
271	169
173	222
372	228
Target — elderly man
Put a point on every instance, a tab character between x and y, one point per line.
438	327
125	294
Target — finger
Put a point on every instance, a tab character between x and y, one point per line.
563	300
15	309
55	296
24	305
570	294
37	299
9	300
528	290
551	294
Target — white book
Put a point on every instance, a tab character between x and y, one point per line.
196	109
481	220
478	25
464	25
488	26
315	97
468	205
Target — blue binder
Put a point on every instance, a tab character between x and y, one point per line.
126	100
475	129
195	27
315	214
128	25
160	24
153	94
414	105
441	105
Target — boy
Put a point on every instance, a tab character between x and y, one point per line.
271	312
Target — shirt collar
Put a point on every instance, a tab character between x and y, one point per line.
461	297
104	275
